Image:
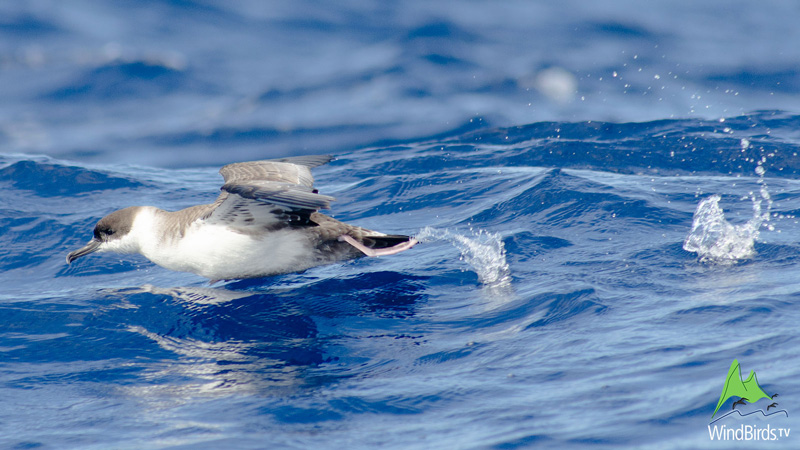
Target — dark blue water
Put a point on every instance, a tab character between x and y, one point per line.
606	196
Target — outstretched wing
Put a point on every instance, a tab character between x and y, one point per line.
269	194
295	170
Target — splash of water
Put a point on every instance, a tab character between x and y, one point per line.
483	251
715	240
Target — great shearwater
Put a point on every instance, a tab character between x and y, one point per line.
264	222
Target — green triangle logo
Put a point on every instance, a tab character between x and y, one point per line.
748	390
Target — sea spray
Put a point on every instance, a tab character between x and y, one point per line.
483	251
715	240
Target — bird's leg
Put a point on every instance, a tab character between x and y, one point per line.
380	251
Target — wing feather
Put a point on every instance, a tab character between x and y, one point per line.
286	195
295	170
269	193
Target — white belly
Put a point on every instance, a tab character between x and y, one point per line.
218	253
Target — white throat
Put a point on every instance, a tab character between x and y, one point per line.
143	236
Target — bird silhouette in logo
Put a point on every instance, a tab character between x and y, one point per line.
738	402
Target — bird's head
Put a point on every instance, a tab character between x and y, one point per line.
111	234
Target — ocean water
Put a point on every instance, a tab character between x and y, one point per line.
606	196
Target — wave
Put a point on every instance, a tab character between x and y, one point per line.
51	179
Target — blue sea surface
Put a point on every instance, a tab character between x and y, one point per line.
606	195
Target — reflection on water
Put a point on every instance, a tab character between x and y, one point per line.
257	339
221	340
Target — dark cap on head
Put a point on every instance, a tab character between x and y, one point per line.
116	224
110	227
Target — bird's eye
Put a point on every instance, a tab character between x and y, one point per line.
103	233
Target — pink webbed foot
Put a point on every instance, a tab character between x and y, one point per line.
379	251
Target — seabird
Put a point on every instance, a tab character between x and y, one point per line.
264	222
